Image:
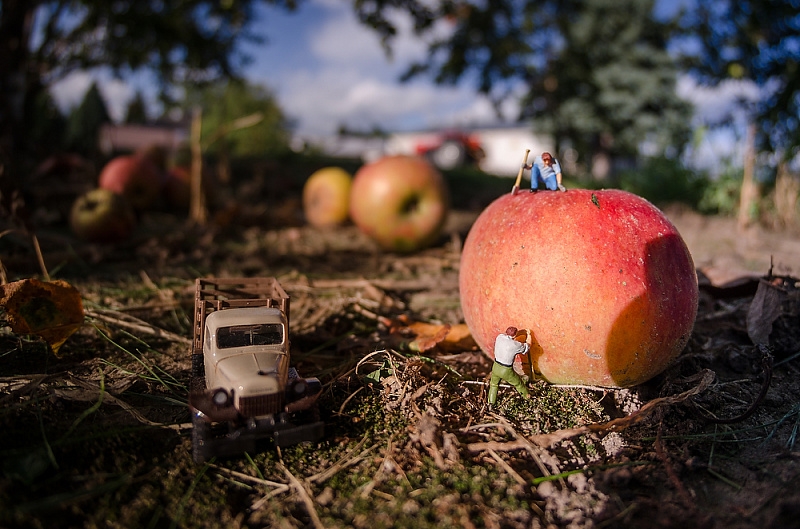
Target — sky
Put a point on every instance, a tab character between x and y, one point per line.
328	70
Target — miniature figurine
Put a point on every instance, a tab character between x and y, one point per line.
506	349
547	170
244	393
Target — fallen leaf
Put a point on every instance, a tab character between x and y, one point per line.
52	309
426	336
765	308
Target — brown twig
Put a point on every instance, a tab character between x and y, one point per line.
126	321
305	497
766	365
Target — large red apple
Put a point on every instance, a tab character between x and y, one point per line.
135	177
326	197
401	202
101	215
601	279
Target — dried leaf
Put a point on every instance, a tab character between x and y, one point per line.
426	336
764	310
52	310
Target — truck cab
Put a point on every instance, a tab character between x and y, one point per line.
246	355
244	390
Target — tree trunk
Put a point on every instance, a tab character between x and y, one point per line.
748	197
16	22
787	190
198	211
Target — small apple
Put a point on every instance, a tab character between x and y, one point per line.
134	177
157	154
178	188
602	280
399	201
101	215
326	197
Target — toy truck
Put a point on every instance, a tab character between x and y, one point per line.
243	395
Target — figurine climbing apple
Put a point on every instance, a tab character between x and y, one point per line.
601	279
135	177
101	215
399	201
326	197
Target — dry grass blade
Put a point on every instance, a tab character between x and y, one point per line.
304	496
133	324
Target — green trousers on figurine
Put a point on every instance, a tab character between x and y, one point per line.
506	373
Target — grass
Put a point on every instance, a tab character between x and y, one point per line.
98	437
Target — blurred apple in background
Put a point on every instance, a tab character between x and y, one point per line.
101	215
401	202
136	178
326	197
602	280
178	188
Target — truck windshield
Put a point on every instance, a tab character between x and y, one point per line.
245	335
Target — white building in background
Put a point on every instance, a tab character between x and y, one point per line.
496	150
502	147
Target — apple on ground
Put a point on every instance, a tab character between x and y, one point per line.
326	197
101	215
136	178
602	280
157	154
399	201
178	188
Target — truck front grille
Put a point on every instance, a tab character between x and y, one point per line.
260	405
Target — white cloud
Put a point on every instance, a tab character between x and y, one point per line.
716	103
70	91
349	80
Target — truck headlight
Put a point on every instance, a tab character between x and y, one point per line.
220	398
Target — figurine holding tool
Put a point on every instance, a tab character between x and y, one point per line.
506	349
544	169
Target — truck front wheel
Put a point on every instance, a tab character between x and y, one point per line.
200	433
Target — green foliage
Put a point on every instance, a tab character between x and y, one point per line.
178	41
137	110
225	102
85	122
598	73
663	181
48	125
721	196
754	40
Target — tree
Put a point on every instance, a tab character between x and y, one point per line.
223	103
42	41
236	119
83	127
137	110
758	41
596	73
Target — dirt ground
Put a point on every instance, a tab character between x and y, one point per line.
98	436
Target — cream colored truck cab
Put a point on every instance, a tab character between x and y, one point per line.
247	396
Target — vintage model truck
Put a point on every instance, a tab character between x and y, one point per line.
244	395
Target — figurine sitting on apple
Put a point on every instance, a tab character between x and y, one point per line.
547	170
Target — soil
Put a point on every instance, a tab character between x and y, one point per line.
99	435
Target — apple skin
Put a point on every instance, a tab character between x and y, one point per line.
602	280
178	188
136	178
102	216
401	202
326	197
